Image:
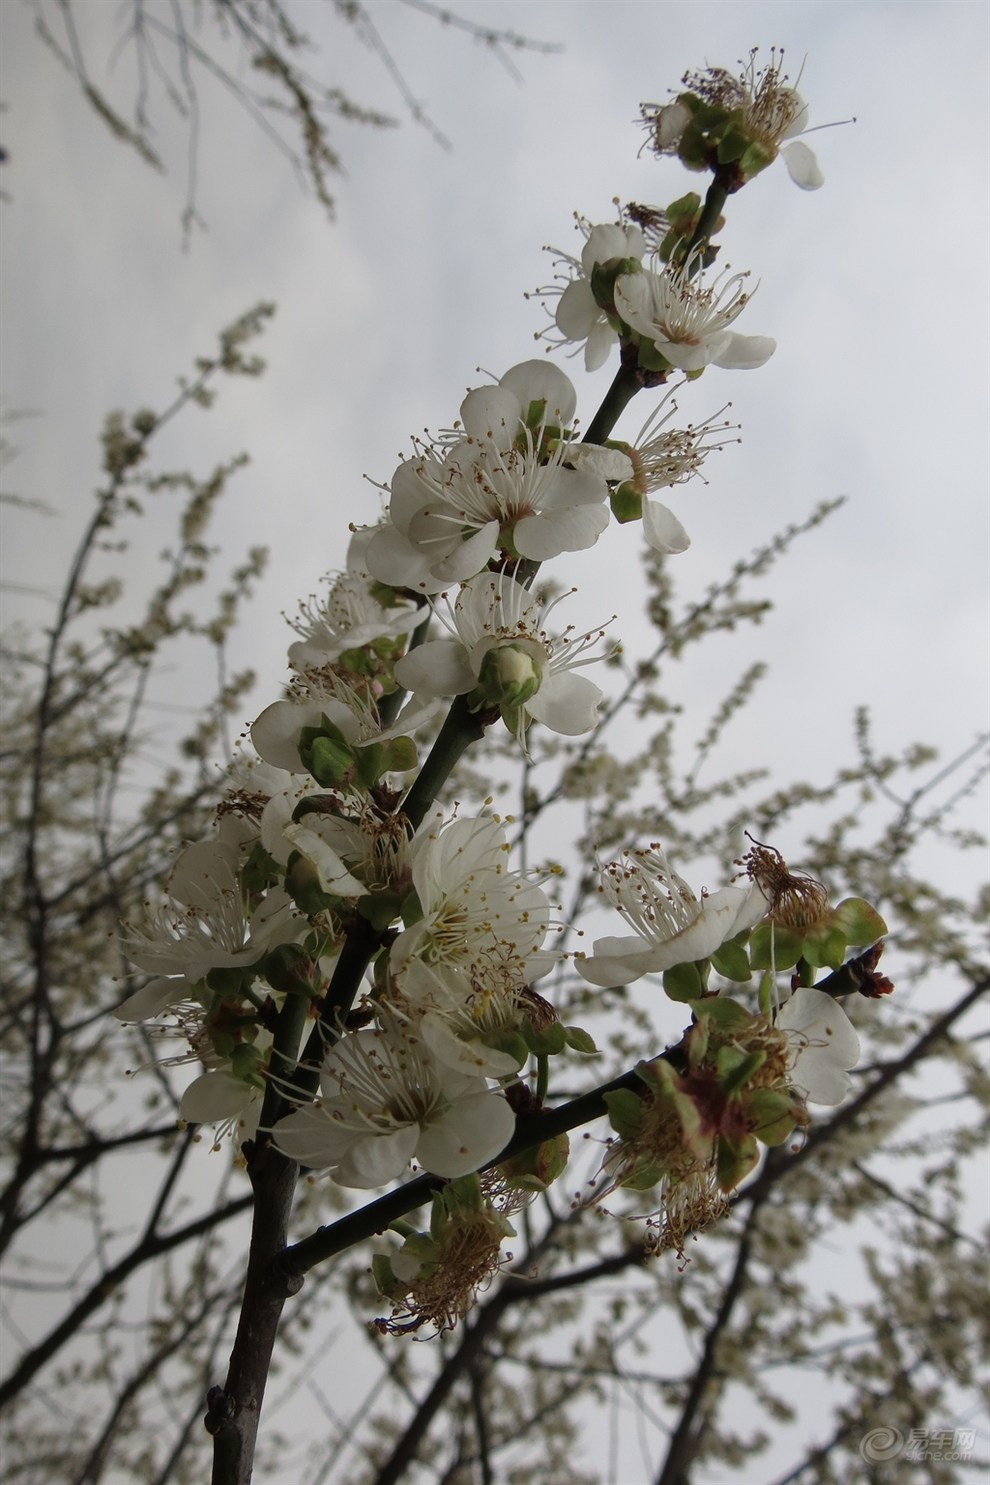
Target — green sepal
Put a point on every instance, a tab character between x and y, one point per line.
771	1115
732	140
684	209
401	755
290	969
754	158
825	947
650	359
232	981
246	1063
370	764
546	1042
423	1247
625	1112
644	1175
735	1068
386	1282
380	909
603	277
325	753
539	1167
626	503
512	1043
728	1015
358	662
787	947
463	1194
732	962
685	982
580	1040
260	871
302	882
860	922
734	1162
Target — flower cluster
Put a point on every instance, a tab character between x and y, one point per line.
354	966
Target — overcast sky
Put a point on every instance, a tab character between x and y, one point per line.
874	287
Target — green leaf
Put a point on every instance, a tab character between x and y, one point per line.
732	962
860	922
788	946
684	982
825	947
625	1112
727	1014
580	1040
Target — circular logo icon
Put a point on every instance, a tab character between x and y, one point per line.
880	1444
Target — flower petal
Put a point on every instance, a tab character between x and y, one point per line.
802	166
663	531
473	1131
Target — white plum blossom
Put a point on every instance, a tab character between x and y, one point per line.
688	320
476	913
766	111
499	642
348	617
672	924
384	1099
206	924
505	485
663	457
824	1045
579	318
318	694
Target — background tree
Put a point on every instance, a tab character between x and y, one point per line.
750	1311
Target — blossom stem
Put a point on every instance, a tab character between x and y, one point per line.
289	1026
711	211
459	731
624	387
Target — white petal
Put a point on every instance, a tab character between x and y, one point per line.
825	1043
577	310
492	413
437	668
465	1056
473	1131
375	1160
567	704
601	339
743	352
663	531
541	381
333	874
469	557
572	530
802	167
606	464
214	1097
152	999
393	559
311	1137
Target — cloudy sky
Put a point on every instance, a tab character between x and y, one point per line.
874	287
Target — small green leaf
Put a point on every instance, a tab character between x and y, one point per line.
732	962
684	982
625	1113
860	922
580	1040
